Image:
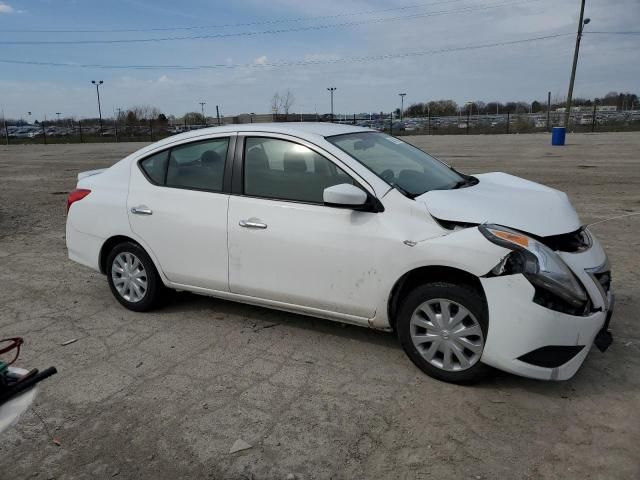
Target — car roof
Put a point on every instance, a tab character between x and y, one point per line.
297	129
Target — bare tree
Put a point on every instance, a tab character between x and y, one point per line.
288	99
276	104
282	103
144	112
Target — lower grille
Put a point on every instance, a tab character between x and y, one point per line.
551	356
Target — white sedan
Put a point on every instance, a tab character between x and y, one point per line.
352	225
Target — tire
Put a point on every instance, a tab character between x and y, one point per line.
434	339
137	286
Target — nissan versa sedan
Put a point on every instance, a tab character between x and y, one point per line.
353	225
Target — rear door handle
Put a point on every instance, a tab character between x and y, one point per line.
141	210
252	223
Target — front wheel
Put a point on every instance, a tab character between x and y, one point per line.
133	277
443	328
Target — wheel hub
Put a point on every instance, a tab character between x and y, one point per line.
129	277
446	334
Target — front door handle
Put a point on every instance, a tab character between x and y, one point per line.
252	223
141	210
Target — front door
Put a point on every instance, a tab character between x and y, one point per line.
285	245
177	206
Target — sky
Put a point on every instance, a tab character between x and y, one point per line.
356	46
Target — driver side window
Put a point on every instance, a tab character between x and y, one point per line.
284	170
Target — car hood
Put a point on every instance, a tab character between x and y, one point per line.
505	200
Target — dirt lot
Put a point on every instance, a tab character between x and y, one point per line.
166	394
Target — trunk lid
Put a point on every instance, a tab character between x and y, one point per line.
90	173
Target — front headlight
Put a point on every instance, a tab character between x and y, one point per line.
538	263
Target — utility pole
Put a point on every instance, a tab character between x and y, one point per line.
549	112
6	130
581	23
593	119
116	122
218	115
332	89
402	95
44	132
204	120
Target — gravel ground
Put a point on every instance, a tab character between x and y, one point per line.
166	394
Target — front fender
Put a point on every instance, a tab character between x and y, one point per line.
465	249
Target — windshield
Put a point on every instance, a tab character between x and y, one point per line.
398	163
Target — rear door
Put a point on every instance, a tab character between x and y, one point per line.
177	204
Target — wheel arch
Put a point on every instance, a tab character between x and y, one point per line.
111	242
426	274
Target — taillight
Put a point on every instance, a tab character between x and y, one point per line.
77	194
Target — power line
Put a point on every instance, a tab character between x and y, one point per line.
265	32
370	58
246	24
611	33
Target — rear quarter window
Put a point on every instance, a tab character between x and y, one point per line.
155	167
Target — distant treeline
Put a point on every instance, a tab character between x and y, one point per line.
441	108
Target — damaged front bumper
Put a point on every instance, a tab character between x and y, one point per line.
533	341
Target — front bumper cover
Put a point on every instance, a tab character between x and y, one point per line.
518	326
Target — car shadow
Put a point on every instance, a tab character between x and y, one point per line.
593	378
266	318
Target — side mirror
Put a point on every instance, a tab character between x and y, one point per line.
346	195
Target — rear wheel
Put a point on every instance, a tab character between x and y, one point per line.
133	277
442	328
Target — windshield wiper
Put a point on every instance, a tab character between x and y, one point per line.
465	182
404	192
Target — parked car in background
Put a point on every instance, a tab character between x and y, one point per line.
349	224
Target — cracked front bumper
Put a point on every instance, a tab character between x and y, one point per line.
518	326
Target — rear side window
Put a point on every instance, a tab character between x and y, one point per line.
198	165
156	166
280	169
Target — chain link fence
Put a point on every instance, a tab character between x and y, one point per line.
67	131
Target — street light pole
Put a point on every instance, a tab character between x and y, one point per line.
548	111
402	95
332	89
204	121
469	112
581	23
58	114
97	84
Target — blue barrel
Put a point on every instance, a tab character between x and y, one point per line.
558	135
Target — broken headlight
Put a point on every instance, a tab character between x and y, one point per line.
546	271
